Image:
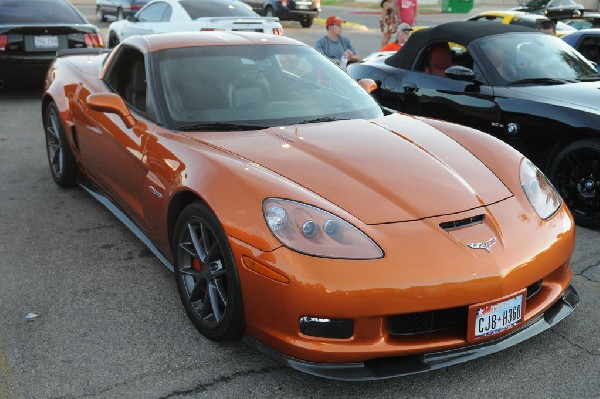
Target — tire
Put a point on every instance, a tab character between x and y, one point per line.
206	275
575	172
120	14
113	40
60	158
100	17
306	23
269	12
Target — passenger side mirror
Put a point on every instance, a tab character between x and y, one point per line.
113	104
132	18
458	72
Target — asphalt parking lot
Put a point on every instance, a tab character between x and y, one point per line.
87	312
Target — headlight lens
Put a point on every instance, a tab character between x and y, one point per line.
313	231
539	191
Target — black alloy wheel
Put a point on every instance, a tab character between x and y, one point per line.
575	172
113	40
60	158
206	274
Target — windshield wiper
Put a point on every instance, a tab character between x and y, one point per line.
220	127
323	119
542	81
589	78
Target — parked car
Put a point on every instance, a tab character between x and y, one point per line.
117	9
339	241
520	18
553	8
587	42
31	31
303	11
527	88
161	16
588	20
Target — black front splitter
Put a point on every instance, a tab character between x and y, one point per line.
390	367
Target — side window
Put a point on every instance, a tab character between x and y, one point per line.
154	12
127	77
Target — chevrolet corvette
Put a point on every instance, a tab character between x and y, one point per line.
527	88
296	216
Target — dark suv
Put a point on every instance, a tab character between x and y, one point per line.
303	11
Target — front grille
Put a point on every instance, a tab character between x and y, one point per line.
439	320
424	322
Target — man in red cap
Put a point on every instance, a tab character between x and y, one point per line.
334	46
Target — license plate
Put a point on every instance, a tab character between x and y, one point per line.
45	41
494	317
302	6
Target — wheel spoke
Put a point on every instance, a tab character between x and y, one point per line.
186	246
189	271
212	255
197	292
200	251
221	291
206	240
214	301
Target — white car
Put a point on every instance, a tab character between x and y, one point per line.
159	16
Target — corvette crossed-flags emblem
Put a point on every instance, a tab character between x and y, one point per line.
484	245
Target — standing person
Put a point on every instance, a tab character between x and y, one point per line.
334	46
387	21
406	11
401	36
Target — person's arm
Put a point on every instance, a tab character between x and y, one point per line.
353	56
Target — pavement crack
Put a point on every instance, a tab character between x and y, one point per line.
588	268
583	348
222	379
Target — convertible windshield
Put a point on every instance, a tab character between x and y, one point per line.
256	85
523	58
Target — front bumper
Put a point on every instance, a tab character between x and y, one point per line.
389	367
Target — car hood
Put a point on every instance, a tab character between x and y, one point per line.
581	95
392	169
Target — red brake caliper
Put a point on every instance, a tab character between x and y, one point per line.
196	265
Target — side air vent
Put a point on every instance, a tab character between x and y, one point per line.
455	224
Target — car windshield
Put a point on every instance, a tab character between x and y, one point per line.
34	11
255	85
531	57
216	8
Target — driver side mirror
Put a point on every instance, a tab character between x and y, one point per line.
132	18
458	72
113	104
368	84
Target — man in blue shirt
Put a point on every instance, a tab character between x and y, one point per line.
334	46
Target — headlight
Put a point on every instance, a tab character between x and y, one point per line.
313	231
539	191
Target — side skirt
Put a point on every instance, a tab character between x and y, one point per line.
108	204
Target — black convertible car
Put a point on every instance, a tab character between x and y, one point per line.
527	88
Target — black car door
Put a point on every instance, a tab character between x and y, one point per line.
468	103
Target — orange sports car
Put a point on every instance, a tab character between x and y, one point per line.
339	241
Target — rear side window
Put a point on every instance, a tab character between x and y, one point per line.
45	11
220	8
